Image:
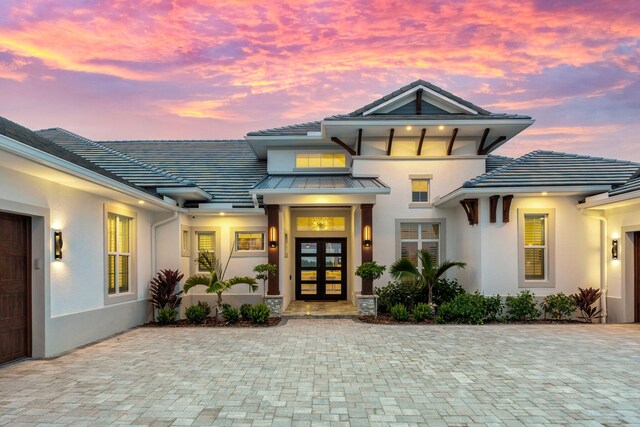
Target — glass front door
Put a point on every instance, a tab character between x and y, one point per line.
321	269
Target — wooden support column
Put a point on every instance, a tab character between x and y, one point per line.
419	102
470	207
343	145
506	207
273	251
493	207
451	141
483	140
390	143
359	146
366	219
424	131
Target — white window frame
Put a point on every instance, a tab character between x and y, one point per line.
441	240
421	205
132	293
194	267
248	253
550	271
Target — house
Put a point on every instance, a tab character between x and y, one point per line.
85	225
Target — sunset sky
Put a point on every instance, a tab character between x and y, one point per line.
187	69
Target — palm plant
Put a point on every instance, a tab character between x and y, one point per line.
215	282
430	274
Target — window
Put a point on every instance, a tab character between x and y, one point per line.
118	254
321	160
536	248
320	223
249	241
206	245
419	190
419	235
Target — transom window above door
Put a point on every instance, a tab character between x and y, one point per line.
321	160
320	223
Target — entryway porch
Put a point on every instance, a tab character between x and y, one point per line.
321	309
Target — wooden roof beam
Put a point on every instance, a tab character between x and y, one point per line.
483	140
419	102
359	146
424	131
343	145
493	144
390	143
451	141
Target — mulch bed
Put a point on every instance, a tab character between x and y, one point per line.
216	323
385	319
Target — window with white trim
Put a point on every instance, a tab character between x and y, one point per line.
536	253
419	235
420	190
249	241
321	160
119	252
205	245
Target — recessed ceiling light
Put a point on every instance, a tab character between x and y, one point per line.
441	127
221	213
409	128
544	193
141	202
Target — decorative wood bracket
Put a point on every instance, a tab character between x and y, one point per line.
359	146
493	144
470	207
343	145
451	141
390	143
506	207
483	140
424	131
493	207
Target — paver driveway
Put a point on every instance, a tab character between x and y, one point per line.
337	371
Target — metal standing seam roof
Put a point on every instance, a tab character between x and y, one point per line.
273	183
550	168
30	138
114	161
303	128
226	169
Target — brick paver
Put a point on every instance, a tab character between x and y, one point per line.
337	372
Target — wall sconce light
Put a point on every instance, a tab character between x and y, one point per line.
273	237
366	242
57	245
614	249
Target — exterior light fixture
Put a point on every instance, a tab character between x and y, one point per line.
273	240
614	249
366	242
544	193
441	127
409	128
141	202
57	245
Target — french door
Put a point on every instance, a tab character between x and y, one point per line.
321	269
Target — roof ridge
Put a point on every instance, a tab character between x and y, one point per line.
125	157
507	165
584	156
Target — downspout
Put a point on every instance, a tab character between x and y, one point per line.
154	261
604	281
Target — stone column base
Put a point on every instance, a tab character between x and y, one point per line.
275	303
367	305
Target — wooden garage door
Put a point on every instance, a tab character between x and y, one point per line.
15	287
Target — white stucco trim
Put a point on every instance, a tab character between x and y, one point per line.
611	202
458	123
456	195
443	100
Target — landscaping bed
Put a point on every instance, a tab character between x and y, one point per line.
215	323
386	319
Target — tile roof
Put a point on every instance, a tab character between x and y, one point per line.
632	185
550	168
319	182
226	169
114	161
494	161
299	129
28	137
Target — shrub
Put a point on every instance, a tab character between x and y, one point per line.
400	313
559	306
444	291
205	306
167	315
162	291
260	313
407	294
585	299
422	311
245	311
370	270
196	314
464	308
522	306
230	314
493	307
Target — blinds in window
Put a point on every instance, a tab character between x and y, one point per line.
535	240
